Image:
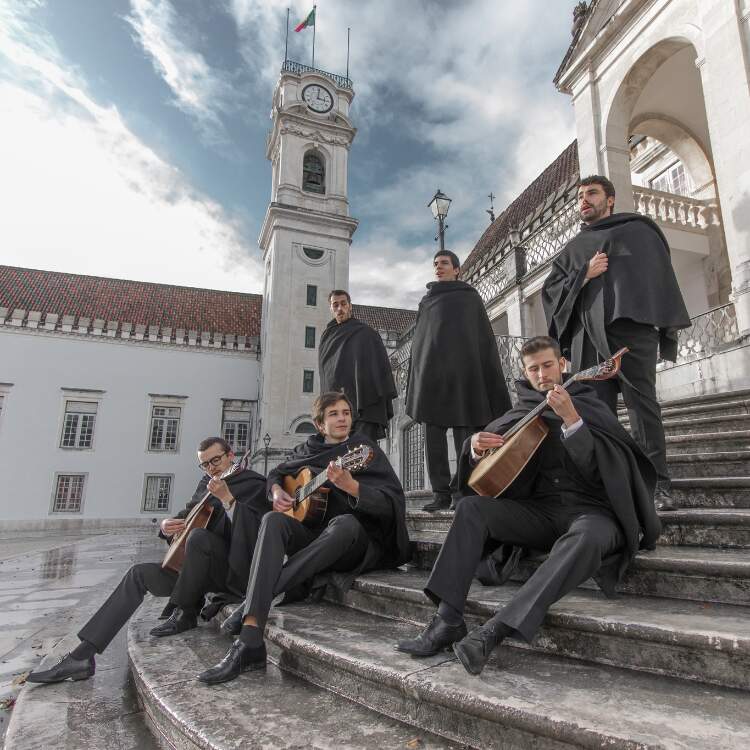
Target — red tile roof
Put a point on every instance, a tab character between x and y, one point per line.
137	302
385	318
563	171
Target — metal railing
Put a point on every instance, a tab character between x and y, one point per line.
509	348
709	332
546	242
290	66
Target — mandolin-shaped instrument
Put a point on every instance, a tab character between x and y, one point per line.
498	468
198	518
310	501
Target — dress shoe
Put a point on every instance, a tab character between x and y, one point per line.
663	499
233	624
240	658
167	611
475	649
439	502
437	636
67	668
179	621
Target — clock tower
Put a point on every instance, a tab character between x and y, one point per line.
305	240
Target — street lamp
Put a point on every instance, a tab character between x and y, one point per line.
439	205
266	443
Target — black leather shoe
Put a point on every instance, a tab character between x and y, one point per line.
233	624
438	635
67	668
240	658
179	621
475	649
663	499
439	502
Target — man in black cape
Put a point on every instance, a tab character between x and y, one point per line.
364	528
455	377
216	559
585	496
613	285
353	359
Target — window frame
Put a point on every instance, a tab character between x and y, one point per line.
55	483
305	373
158	401
310	334
146	478
68	399
314	289
238	405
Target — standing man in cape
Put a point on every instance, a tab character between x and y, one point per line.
353	359
585	496
612	286
455	377
216	559
364	528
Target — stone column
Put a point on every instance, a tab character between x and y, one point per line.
514	313
726	85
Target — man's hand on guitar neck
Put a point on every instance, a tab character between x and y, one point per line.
560	402
343	479
172	526
281	500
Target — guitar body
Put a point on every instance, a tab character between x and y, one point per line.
311	510
198	518
496	472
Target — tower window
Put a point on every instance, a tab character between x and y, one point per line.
312	253
309	337
312	295
313	174
308	383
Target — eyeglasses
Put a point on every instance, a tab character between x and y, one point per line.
215	461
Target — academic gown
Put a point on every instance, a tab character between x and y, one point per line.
455	375
639	284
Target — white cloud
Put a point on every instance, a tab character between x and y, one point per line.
90	197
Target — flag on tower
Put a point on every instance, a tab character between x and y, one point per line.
309	21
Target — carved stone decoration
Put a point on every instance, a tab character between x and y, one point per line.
314	135
579	17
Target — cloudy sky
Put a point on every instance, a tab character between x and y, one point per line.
132	133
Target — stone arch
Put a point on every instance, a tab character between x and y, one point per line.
301	425
314	170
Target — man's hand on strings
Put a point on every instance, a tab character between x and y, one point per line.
561	403
343	479
219	488
484	441
597	265
282	501
172	526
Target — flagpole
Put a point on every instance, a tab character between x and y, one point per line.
286	42
315	26
348	38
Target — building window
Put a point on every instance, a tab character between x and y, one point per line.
68	493
313	174
305	428
312	253
156	493
312	295
165	427
308	381
235	424
309	337
413	457
674	179
78	425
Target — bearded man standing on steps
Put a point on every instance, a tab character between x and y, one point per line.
585	496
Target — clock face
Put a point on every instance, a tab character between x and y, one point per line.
317	98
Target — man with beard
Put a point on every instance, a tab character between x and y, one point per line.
585	496
455	377
216	559
364	528
612	286
353	359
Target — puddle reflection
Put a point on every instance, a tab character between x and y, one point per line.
58	563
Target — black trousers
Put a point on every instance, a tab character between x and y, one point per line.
436	448
578	538
371	430
639	394
205	569
341	546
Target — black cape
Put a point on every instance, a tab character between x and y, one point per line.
639	284
455	376
379	488
628	476
241	533
352	357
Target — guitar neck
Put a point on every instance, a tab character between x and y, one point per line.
536	411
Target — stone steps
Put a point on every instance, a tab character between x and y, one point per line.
695	465
267	709
715	403
696	641
709	442
719	576
712	492
703	425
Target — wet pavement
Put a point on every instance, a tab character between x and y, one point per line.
50	584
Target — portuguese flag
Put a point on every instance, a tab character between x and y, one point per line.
309	21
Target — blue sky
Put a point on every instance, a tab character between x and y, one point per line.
132	132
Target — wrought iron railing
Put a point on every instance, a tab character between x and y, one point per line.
546	242
709	332
400	361
290	66
509	348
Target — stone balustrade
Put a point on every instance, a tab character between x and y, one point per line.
679	210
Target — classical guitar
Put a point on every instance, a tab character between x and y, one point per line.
310	501
198	518
498	468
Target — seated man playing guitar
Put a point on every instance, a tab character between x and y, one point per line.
363	528
215	559
584	496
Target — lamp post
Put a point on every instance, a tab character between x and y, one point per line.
266	443
439	205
